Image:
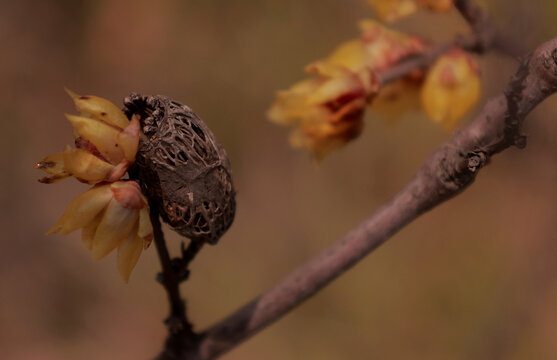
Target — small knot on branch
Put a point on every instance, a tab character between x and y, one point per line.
476	160
175	325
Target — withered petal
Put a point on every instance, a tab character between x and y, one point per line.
52	165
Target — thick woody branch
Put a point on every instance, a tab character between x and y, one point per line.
449	170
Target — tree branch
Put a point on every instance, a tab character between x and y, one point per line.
448	171
445	174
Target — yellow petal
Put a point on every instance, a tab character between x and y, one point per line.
128	140
145	229
385	47
100	134
99	108
114	227
291	105
88	231
391	10
335	88
52	165
129	252
333	131
86	166
82	210
326	69
351	55
452	87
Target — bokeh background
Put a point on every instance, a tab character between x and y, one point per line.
476	278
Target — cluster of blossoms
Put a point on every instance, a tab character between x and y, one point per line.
113	213
327	110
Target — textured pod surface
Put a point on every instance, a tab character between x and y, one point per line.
181	165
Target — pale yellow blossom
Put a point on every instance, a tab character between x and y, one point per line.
111	216
106	143
327	110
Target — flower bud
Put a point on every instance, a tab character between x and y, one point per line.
452	87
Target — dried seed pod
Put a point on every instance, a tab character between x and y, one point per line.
183	168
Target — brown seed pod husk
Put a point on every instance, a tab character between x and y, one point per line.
182	167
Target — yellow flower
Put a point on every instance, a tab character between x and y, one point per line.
326	111
112	216
106	143
391	10
452	87
378	48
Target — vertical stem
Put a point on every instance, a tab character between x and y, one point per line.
180	330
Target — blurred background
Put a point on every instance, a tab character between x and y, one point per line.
474	278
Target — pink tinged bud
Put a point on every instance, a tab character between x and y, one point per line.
128	194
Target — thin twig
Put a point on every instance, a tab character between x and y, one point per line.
181	334
486	34
483	38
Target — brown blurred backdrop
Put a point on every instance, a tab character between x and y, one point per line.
474	278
